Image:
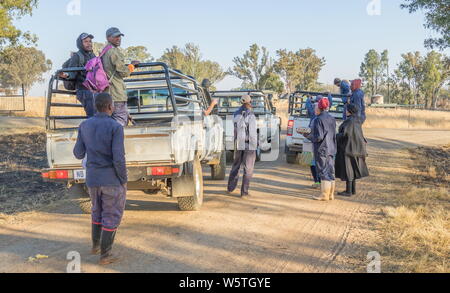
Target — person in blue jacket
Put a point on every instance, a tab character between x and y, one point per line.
323	137
344	89
101	138
357	99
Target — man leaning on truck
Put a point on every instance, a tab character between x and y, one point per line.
116	69
102	139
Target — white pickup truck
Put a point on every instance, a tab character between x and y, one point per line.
299	119
268	123
165	148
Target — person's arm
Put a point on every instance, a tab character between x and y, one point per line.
118	154
79	150
118	62
208	111
74	62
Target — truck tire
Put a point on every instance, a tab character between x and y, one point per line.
77	191
193	203
85	206
151	191
218	171
230	157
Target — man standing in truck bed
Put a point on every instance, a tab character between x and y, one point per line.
116	69
102	140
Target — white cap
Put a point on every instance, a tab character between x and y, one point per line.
246	99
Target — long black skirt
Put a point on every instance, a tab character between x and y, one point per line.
350	168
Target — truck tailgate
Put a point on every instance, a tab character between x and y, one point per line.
142	146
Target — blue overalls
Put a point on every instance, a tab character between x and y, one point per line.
323	137
101	138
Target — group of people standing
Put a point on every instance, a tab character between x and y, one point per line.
343	154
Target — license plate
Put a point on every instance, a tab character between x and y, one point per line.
79	174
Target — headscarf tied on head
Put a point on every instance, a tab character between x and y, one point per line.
356	84
324	104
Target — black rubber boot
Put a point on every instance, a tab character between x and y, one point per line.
106	244
96	235
354	187
348	190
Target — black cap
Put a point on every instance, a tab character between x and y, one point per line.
85	36
113	32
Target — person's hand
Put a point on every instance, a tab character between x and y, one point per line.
125	186
214	102
63	75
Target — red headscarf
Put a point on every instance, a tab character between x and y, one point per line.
324	104
356	84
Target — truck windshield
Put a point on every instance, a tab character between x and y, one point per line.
154	100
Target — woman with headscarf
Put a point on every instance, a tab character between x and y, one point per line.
323	137
351	151
357	99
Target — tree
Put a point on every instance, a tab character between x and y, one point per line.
10	10
189	60
436	73
437	15
137	53
374	70
299	70
252	66
21	65
408	77
272	81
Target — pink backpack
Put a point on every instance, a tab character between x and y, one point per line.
96	78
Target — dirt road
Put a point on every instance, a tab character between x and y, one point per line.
279	229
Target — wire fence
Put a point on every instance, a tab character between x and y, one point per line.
12	103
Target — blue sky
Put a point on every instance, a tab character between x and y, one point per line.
340	31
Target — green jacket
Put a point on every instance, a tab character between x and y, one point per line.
117	70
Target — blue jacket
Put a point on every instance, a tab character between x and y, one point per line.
101	138
323	135
358	100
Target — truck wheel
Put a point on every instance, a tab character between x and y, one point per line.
230	157
85	206
218	171
193	203
77	191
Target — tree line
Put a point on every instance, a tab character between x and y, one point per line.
417	80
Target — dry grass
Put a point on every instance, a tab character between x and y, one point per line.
415	231
404	118
35	107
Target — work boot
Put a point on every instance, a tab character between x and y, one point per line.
106	243
333	189
348	190
354	187
325	189
96	235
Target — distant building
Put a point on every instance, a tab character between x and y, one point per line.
377	100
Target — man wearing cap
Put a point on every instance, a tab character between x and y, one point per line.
79	59
344	89
116	69
323	137
246	143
